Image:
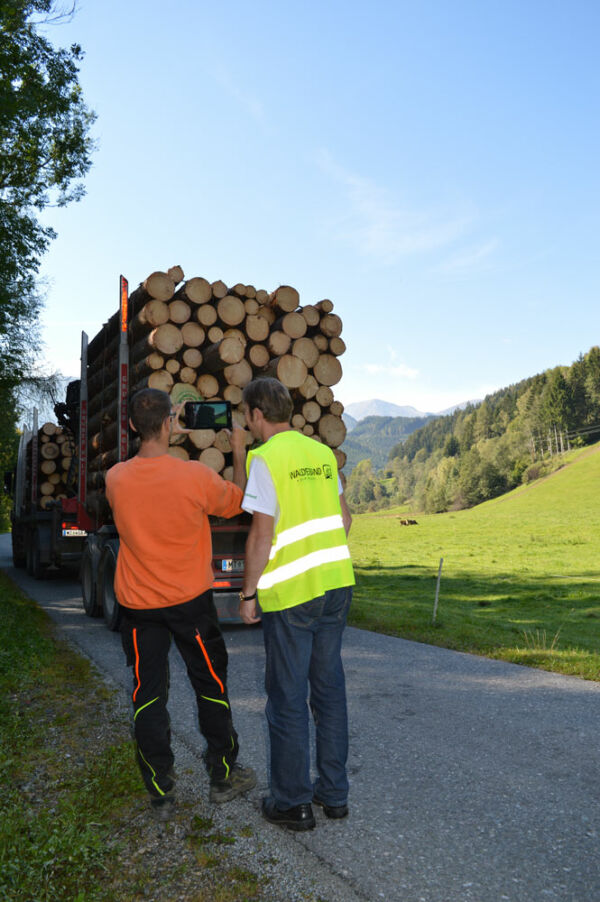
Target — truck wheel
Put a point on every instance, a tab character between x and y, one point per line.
35	567
89	588
106	587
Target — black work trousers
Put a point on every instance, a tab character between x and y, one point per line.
146	636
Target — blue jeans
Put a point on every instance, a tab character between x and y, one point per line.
303	647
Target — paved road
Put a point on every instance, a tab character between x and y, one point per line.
471	780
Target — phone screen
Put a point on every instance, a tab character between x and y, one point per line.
208	415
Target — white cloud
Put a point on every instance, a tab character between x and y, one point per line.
379	227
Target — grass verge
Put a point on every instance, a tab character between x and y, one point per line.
74	820
520	579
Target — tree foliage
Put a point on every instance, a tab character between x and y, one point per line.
45	149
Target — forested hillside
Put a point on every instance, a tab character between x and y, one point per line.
374	437
514	435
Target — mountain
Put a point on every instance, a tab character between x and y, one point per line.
374	437
376	408
350	422
463	406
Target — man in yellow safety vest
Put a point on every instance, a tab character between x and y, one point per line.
298	568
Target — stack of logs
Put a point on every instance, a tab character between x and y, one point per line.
55	453
205	341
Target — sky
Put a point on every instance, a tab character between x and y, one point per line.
430	167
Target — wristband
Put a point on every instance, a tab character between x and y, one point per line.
247	597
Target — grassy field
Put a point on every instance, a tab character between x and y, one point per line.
520	578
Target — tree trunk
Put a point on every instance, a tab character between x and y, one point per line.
207	385
306	350
196	291
278	343
257	328
221	354
159	286
179	312
285	298
238	373
166	338
290	370
219	289
331	325
259	356
231	311
206	315
192	334
327	370
332	430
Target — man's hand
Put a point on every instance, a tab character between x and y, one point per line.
176	426
237	439
248	612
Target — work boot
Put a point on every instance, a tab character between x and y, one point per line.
240	780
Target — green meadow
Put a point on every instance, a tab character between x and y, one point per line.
520	577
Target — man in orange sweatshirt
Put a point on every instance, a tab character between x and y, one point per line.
163	582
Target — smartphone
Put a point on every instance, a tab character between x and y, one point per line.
207	415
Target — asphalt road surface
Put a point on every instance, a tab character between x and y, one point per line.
471	780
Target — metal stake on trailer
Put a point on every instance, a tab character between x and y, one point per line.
122	405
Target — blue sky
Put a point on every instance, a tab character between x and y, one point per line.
431	167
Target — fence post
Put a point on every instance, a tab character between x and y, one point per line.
437	591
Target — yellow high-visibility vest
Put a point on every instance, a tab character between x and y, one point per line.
309	553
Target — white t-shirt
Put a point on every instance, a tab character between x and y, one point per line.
260	494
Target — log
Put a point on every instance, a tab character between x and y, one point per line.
192	356
47	488
48	428
233	394
207	385
213	458
238	373
172	365
231	311
221	354
311	411
160	286
49	450
284	298
219	289
236	333
340	457
324	396
160	379
306	350
250	292
321	342
290	370
196	291
262	296
325	306
298	421
188	375
311	315
337	346
336	408
179	312
331	325
193	335
222	441
251	306
238	289
47	467
309	387
259	356
202	438
206	315
181	391
327	370
214	334
278	343
267	313
308	429
178	451
256	327
293	324
175	273
166	338
332	430
153	313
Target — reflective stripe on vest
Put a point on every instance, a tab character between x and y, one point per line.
309	554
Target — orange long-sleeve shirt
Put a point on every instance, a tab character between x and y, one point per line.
161	507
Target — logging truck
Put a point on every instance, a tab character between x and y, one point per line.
200	340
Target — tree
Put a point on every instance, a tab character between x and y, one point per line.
45	151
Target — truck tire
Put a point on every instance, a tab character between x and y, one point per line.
19	555
35	567
89	587
106	586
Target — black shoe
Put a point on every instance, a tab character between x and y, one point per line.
300	817
335	812
163	807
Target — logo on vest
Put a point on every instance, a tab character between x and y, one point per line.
312	472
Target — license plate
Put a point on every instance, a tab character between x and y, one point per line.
230	565
74	532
